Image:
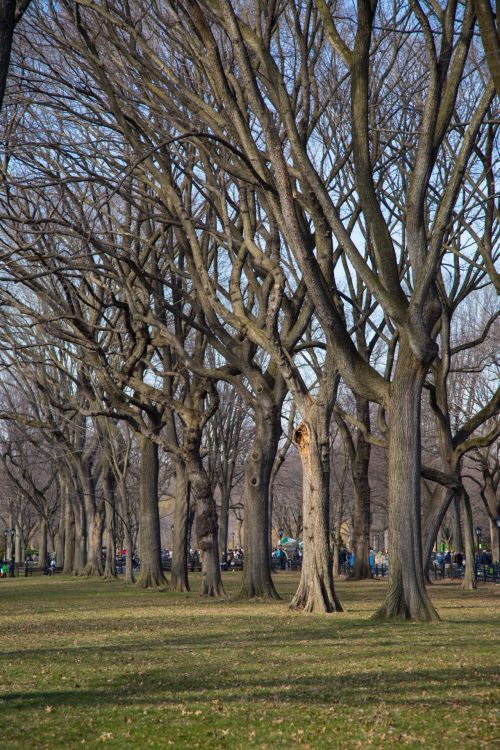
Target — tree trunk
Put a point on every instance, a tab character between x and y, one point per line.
149	517
110	531
257	581
470	581
61	532
206	517
42	545
224	519
80	517
406	598
432	518
362	497
316	591
18	545
94	521
129	568
69	538
180	580
458	542
495	541
94	566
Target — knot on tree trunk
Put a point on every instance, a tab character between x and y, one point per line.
206	524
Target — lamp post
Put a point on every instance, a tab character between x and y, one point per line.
233	540
5	536
280	534
497	521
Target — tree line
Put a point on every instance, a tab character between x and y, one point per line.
259	222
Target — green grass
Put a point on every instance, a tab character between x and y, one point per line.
86	663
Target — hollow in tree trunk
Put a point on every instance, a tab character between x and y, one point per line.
179	579
316	591
257	580
149	517
406	597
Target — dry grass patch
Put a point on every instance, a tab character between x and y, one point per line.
93	664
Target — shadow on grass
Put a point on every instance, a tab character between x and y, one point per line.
428	687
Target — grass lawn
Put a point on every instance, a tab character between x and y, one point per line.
87	663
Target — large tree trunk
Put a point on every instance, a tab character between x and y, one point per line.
495	541
406	597
80	517
149	517
18	545
95	522
61	532
257	581
361	487
69	538
316	591
470	581
206	516
42	545
458	542
224	519
179	580
110	531
129	568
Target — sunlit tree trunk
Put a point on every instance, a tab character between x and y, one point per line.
257	581
470	581
179	578
316	591
406	596
149	517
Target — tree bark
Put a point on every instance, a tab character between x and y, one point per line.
316	591
224	519
129	568
362	498
406	598
495	541
257	580
206	516
179	579
470	581
149	517
42	544
69	538
61	533
80	518
94	521
458	541
18	545
7	24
